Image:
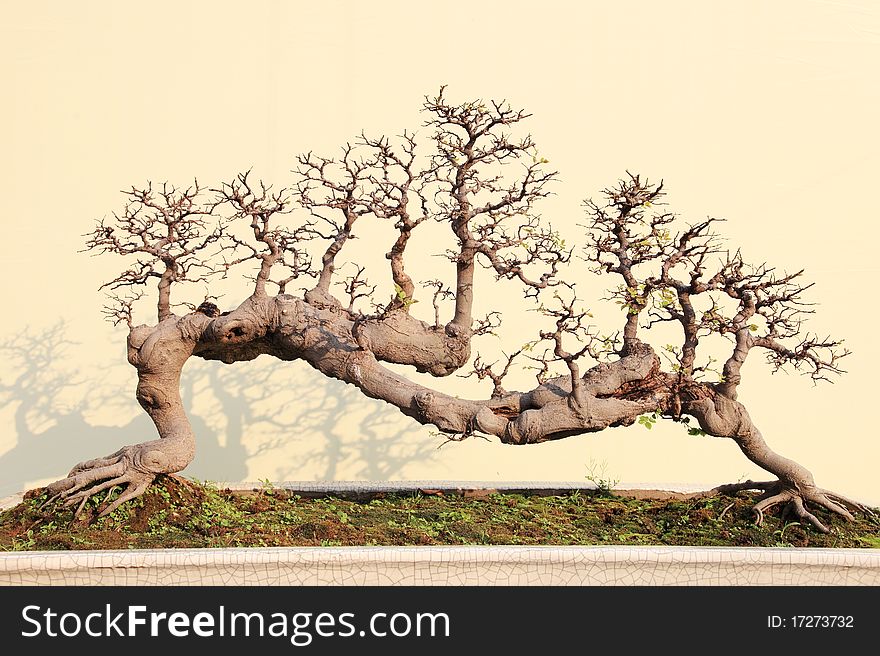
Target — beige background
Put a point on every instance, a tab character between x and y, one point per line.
762	113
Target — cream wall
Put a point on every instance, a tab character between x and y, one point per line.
762	113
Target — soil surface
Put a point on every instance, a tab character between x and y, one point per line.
178	513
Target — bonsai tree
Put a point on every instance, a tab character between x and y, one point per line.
484	183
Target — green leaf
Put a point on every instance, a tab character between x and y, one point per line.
401	295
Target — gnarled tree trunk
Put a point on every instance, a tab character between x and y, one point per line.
665	274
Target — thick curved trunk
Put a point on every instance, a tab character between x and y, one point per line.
722	416
158	353
611	394
293	329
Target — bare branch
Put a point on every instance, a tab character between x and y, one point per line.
259	207
482	371
622	235
393	181
473	146
119	307
488	325
814	356
357	287
339	185
573	322
166	230
441	292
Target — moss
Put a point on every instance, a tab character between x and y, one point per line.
177	513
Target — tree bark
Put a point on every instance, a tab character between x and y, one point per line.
611	394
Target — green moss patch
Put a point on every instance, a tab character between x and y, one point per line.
176	513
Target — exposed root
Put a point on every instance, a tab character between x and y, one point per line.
724	512
733	488
94	476
793	500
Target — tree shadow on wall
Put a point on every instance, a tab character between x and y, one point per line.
254	410
368	438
